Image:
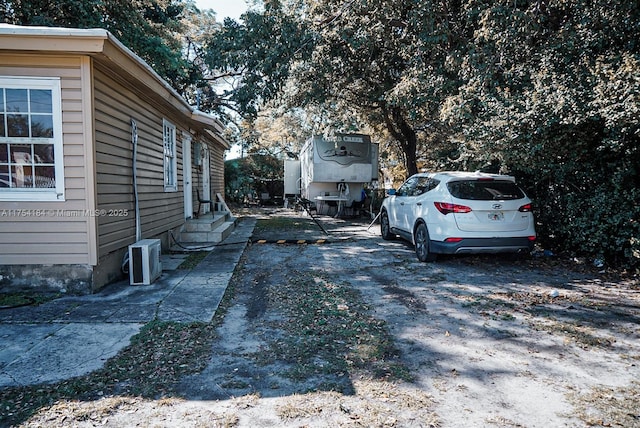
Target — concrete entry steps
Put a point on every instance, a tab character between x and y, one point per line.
211	228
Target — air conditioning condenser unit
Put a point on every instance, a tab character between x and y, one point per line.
144	262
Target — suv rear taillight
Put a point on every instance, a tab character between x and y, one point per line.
446	208
525	208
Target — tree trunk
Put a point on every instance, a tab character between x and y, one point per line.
405	136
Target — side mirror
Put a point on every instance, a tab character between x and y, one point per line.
391	192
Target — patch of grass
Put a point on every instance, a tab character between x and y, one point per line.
582	336
329	331
9	300
609	407
158	356
282	223
193	259
374	404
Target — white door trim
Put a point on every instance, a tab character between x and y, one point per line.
187	177
206	177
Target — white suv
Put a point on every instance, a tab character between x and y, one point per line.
459	212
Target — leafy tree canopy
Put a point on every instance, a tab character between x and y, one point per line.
551	92
151	28
254	56
547	90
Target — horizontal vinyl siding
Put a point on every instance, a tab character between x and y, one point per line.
52	239
217	170
159	211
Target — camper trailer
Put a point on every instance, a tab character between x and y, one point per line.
332	171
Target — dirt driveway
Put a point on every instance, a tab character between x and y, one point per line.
487	341
463	342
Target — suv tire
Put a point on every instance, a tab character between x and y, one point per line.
421	240
385	227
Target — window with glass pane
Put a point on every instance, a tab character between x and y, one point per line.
27	140
30	128
170	161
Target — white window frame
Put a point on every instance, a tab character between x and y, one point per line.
170	157
44	194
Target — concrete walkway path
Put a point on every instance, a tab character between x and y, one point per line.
74	335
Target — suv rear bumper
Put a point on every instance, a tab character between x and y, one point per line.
483	245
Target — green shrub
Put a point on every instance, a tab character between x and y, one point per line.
598	219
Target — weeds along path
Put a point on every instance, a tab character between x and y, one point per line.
302	339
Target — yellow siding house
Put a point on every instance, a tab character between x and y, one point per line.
78	112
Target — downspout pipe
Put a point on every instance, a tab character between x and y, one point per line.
134	141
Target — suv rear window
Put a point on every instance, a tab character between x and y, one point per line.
481	190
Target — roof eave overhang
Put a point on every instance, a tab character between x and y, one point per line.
101	45
210	126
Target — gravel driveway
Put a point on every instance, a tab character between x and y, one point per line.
489	342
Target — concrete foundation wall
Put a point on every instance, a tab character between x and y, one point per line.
109	269
67	279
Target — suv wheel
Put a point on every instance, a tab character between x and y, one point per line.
421	239
385	229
